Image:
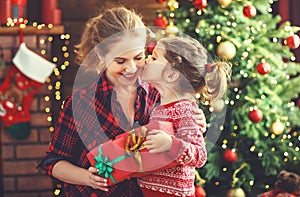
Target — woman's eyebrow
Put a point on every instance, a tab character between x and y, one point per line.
124	58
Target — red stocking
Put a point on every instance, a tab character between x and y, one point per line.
23	81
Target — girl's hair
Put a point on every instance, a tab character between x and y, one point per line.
190	58
103	26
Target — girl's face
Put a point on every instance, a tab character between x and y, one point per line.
125	60
154	71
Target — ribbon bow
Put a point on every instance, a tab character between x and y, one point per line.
133	145
105	166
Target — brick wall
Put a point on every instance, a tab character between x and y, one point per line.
19	158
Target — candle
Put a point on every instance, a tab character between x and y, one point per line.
48	9
5	11
19	10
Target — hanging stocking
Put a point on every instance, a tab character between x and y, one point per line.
28	72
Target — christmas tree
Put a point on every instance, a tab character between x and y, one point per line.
259	133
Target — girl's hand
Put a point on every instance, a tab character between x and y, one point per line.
199	118
158	141
95	181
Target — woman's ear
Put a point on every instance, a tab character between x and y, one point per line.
172	75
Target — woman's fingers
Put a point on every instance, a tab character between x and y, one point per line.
97	182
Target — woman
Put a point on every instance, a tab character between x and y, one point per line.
115	102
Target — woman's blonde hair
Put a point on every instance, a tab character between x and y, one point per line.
110	22
190	58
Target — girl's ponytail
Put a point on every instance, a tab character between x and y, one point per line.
217	76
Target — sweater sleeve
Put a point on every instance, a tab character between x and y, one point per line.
188	147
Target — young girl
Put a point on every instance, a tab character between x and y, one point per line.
178	68
108	105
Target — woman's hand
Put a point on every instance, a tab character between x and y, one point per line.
95	181
199	118
158	141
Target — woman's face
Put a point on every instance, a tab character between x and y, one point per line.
125	60
154	70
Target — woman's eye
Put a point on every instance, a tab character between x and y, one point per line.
120	61
138	58
153	58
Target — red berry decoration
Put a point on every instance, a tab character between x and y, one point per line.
150	46
249	11
160	21
255	115
8	104
199	191
230	155
263	68
298	103
293	41
161	1
200	4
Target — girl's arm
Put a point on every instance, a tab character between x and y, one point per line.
187	147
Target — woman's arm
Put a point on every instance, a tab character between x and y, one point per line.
69	173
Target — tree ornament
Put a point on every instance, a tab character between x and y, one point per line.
226	50
230	155
160	1
293	41
218	105
200	4
224	3
171	30
263	68
236	192
199	191
249	11
255	115
277	127
160	21
150	46
173	5
298	103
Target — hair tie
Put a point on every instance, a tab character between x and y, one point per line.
208	68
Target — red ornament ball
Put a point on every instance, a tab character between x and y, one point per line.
161	1
150	46
255	115
199	191
230	155
298	103
249	11
293	41
200	4
161	22
263	68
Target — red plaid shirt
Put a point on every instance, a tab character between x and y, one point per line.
90	117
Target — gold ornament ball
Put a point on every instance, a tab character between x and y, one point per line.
226	50
218	105
236	192
277	128
224	3
171	30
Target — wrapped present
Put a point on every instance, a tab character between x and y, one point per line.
126	156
